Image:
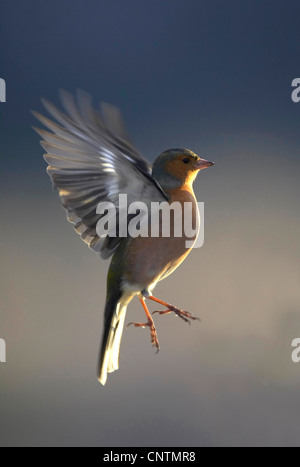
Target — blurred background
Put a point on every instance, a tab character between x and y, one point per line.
212	76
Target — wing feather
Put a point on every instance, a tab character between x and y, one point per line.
90	160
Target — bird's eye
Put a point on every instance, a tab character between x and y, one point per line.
186	160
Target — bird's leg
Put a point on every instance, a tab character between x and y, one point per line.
150	324
185	315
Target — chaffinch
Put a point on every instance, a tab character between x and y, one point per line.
91	160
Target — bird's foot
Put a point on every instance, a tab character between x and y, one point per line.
185	315
153	332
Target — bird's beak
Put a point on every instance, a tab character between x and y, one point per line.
203	164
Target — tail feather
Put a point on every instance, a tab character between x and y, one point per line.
115	313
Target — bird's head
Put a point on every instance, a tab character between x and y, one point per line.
178	167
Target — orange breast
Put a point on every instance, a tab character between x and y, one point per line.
150	258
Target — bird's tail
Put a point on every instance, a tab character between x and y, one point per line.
115	312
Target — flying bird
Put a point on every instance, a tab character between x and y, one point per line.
91	160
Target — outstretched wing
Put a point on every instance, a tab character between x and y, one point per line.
90	160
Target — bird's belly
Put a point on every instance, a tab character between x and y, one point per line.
152	259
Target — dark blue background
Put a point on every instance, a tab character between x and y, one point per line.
214	76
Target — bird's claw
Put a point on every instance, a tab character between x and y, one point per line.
138	325
185	315
164	312
153	332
